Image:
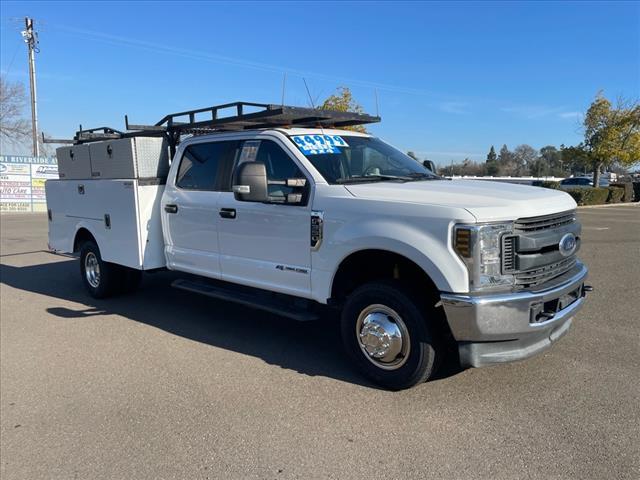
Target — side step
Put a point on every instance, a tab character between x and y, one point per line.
254	298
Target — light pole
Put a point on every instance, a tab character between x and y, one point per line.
31	39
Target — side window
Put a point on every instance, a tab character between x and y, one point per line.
280	167
207	166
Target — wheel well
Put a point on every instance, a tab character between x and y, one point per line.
82	235
368	265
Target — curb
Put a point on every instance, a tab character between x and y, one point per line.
607	205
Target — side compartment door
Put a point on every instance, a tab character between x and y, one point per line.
190	215
267	245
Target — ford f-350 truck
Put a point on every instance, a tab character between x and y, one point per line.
282	209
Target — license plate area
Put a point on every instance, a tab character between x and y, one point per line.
545	311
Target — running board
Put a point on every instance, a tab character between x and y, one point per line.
253	298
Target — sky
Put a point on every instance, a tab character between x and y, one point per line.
452	79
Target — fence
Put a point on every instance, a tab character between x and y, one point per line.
22	182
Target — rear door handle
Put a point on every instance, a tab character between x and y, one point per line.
228	212
171	208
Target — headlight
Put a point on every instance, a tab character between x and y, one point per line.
479	246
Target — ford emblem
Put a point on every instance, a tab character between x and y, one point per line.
567	244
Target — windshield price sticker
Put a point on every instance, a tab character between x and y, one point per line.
318	144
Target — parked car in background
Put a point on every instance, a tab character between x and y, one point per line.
581	182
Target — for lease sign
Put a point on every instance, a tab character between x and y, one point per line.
22	182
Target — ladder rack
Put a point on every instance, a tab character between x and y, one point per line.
227	117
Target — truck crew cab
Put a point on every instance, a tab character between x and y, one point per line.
280	208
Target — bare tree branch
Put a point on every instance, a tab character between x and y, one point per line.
14	128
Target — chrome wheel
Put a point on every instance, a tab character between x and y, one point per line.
92	269
383	337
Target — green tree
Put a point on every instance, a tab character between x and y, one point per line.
343	101
574	159
491	156
492	167
551	161
611	135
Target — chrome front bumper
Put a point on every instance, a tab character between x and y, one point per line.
507	327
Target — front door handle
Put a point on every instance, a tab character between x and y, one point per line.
228	212
171	208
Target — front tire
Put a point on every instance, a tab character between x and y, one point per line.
100	278
385	332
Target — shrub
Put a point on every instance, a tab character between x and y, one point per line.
546	184
615	194
589	195
628	190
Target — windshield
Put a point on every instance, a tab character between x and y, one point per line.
351	159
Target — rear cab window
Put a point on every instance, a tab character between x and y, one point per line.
207	166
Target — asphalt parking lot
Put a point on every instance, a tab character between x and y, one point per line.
168	384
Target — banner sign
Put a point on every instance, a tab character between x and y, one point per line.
22	182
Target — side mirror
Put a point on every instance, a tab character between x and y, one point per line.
250	182
430	165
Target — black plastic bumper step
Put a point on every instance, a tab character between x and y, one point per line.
253	298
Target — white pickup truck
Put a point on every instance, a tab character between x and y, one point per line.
280	209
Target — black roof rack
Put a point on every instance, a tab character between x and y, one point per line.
226	117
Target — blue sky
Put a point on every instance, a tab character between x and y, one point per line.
452	78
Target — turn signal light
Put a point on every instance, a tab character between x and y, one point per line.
463	242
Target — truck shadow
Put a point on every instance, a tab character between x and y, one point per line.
310	348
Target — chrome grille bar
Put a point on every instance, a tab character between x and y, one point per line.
540	275
545	222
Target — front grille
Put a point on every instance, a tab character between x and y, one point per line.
537	227
508	254
532	278
545	222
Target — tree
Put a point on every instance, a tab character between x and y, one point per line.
524	157
574	159
506	161
611	135
551	161
492	167
491	156
343	101
14	128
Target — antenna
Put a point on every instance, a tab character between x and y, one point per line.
284	84
308	93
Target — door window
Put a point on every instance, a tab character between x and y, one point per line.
280	167
208	166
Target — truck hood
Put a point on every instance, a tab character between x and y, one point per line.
485	200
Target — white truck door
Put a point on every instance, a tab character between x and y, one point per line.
267	245
190	207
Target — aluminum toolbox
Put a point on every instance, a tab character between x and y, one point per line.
136	157
74	162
